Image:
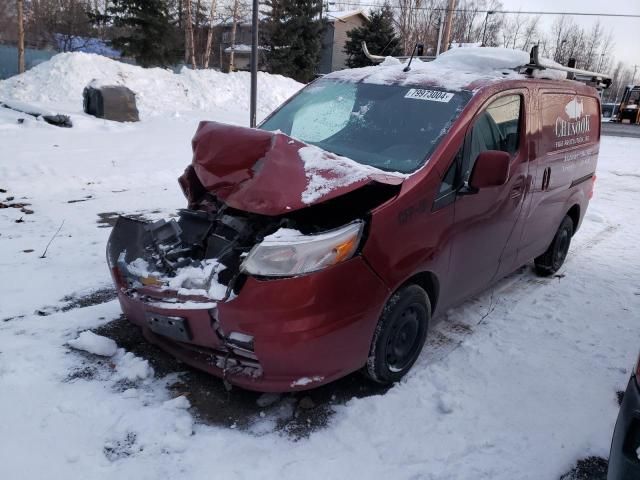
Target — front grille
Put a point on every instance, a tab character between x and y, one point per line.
230	362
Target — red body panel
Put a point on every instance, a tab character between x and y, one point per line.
303	327
319	326
247	169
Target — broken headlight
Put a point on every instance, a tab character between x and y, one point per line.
289	252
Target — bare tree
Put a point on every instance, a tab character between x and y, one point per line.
237	10
448	24
20	8
209	46
511	30
531	34
620	77
189	44
63	24
8	21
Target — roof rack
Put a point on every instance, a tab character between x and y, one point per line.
380	58
595	79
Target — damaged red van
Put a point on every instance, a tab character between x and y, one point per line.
329	239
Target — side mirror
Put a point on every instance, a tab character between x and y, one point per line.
490	170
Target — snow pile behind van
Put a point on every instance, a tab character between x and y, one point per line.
59	82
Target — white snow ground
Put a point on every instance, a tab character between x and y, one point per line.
529	389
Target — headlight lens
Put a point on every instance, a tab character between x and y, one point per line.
287	253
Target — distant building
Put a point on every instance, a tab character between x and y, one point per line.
242	49
335	37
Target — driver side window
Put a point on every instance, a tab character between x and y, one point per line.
496	128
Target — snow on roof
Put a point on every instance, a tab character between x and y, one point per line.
456	69
242	48
465	44
341	15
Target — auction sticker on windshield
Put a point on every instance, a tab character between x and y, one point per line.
431	95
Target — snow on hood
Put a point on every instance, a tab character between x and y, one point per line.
271	173
456	69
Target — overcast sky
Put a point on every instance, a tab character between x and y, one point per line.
626	31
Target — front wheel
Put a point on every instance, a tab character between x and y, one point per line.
400	335
550	261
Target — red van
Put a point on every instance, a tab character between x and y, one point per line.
329	239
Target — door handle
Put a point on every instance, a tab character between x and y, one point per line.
518	188
546	177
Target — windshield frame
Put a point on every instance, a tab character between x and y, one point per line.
464	97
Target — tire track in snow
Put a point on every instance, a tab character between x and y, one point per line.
462	321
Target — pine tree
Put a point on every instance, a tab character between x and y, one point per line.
292	33
379	34
145	31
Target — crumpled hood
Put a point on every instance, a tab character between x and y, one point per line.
270	173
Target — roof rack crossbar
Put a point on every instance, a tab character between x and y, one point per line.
380	58
600	80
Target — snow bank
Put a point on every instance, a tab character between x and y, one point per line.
60	81
96	344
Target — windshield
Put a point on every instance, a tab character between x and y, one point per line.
391	127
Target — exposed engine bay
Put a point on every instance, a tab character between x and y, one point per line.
199	254
245	208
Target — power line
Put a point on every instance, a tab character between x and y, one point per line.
497	12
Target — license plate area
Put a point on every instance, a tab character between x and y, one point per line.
172	327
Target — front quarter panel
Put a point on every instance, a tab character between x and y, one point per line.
407	237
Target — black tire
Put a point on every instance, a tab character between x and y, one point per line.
400	335
550	261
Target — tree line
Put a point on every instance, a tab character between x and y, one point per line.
168	32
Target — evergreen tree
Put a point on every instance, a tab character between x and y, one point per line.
379	34
292	33
144	31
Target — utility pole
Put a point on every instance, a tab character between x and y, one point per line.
447	25
484	30
20	6
440	28
633	79
254	65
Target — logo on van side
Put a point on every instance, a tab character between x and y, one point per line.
578	122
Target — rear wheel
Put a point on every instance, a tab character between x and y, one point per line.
400	335
550	261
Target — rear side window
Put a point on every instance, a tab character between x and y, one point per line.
568	120
496	128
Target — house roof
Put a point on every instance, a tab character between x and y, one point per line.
343	15
242	48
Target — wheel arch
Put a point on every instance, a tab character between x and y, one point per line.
574	215
429	282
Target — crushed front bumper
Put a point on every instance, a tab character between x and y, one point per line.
298	332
